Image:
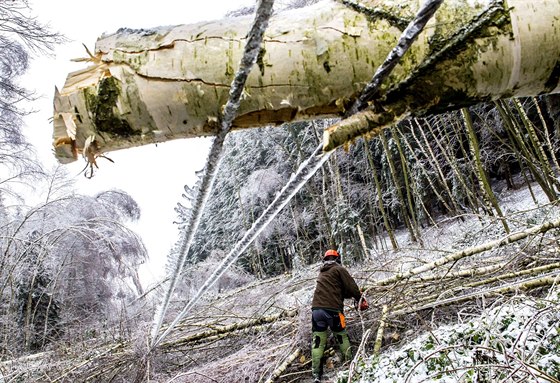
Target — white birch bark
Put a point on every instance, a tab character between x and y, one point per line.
147	86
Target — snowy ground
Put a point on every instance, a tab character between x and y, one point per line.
515	340
518	341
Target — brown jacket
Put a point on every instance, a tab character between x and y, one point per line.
334	284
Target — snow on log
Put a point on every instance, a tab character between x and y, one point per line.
154	85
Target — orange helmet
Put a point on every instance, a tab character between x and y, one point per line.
331	253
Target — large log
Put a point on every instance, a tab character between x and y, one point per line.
146	86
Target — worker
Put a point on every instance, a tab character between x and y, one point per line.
334	284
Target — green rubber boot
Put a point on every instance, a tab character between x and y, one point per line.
318	343
344	345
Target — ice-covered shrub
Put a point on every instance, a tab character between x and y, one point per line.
515	342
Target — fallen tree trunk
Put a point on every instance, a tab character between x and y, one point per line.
103	361
284	365
454	290
147	86
230	328
514	237
533	283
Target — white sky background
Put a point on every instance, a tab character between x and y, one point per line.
153	175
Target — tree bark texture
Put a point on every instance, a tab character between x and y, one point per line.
154	85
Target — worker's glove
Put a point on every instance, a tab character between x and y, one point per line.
362	305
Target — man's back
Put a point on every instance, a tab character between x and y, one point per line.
334	284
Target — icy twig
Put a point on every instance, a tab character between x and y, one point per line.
252	49
408	36
360	351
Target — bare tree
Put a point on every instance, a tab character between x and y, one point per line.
21	36
67	263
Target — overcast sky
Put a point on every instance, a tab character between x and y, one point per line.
153	175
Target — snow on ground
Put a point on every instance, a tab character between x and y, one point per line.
524	207
517	341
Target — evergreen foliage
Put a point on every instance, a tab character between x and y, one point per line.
38	314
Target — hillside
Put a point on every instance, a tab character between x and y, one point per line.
251	330
417	305
457	266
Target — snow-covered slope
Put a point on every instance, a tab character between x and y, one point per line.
518	341
516	338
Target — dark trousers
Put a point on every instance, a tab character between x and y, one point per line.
321	321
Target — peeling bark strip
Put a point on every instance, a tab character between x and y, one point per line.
147	86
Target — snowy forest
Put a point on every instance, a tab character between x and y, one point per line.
448	221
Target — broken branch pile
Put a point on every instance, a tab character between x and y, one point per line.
260	331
